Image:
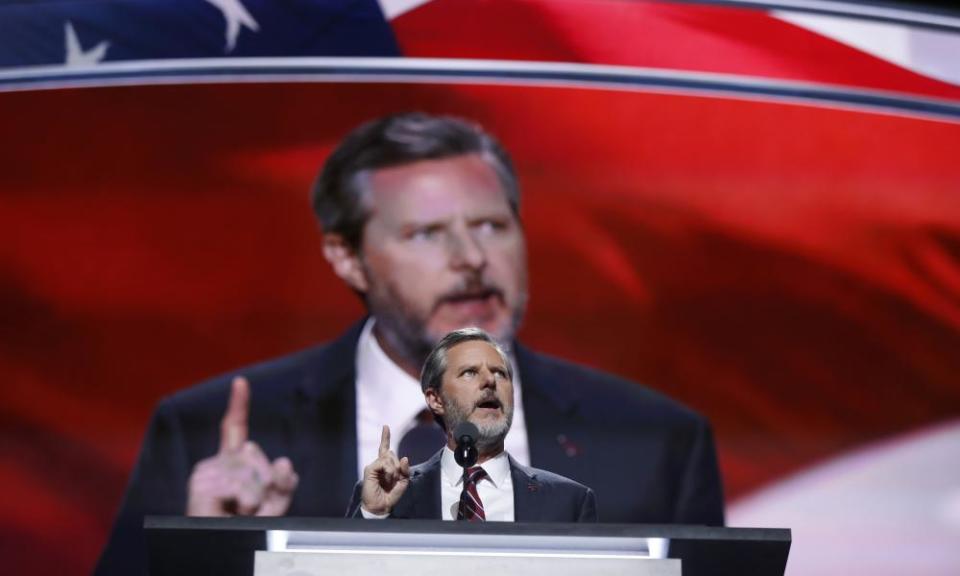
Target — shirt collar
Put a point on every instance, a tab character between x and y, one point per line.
385	395
497	468
370	356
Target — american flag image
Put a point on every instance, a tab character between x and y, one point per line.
767	192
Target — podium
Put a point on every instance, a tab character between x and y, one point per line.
305	546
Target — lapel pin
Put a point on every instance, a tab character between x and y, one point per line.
569	447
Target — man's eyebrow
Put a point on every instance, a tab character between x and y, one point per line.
412	225
490	215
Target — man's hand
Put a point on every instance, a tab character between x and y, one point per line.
239	479
385	479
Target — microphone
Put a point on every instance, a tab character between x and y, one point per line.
465	435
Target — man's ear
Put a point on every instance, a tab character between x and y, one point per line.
345	262
434	402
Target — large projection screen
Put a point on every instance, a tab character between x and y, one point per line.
753	208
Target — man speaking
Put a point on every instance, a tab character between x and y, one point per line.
467	382
421	219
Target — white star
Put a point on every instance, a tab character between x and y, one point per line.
76	56
236	16
393	8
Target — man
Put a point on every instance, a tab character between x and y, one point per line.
468	378
421	219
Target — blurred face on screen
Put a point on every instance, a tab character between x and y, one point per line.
441	250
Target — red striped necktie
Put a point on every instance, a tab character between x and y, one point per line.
471	509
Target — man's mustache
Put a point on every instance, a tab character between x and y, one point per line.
470	291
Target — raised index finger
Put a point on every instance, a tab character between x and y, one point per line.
233	427
385	440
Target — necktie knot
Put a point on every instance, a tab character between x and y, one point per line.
475	474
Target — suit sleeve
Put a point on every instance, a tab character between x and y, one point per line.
588	507
353	509
157	486
701	491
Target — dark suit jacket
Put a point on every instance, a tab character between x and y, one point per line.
648	458
538	495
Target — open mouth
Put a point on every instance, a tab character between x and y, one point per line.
472	307
469	296
490	404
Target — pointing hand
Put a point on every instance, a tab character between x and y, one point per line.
385	479
239	479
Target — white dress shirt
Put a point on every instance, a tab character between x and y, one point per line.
495	489
388	395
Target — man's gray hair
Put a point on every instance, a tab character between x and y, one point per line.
432	374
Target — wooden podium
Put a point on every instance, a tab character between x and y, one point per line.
307	546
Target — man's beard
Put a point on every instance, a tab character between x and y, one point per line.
406	331
491	434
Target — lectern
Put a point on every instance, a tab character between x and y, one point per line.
318	546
